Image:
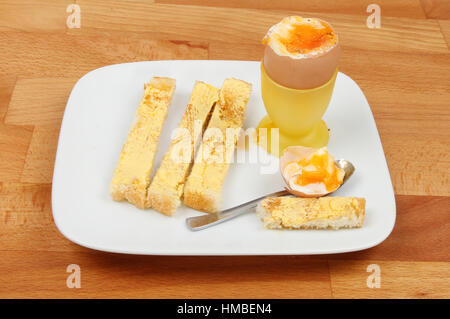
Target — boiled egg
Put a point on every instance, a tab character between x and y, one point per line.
310	172
301	53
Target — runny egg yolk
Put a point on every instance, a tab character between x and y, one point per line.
319	168
304	38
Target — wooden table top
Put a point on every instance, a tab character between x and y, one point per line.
402	67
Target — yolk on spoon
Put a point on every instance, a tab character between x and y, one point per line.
322	172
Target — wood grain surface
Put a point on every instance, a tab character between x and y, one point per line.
403	68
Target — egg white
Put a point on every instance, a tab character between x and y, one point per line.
282	30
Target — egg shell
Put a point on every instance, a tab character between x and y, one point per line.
301	73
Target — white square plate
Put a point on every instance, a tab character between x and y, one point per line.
96	121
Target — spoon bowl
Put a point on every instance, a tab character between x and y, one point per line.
345	165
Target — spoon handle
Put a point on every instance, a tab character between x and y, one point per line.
208	220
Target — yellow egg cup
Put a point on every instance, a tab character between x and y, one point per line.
297	113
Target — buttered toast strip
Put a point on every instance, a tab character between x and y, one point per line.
316	213
203	189
132	174
167	186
